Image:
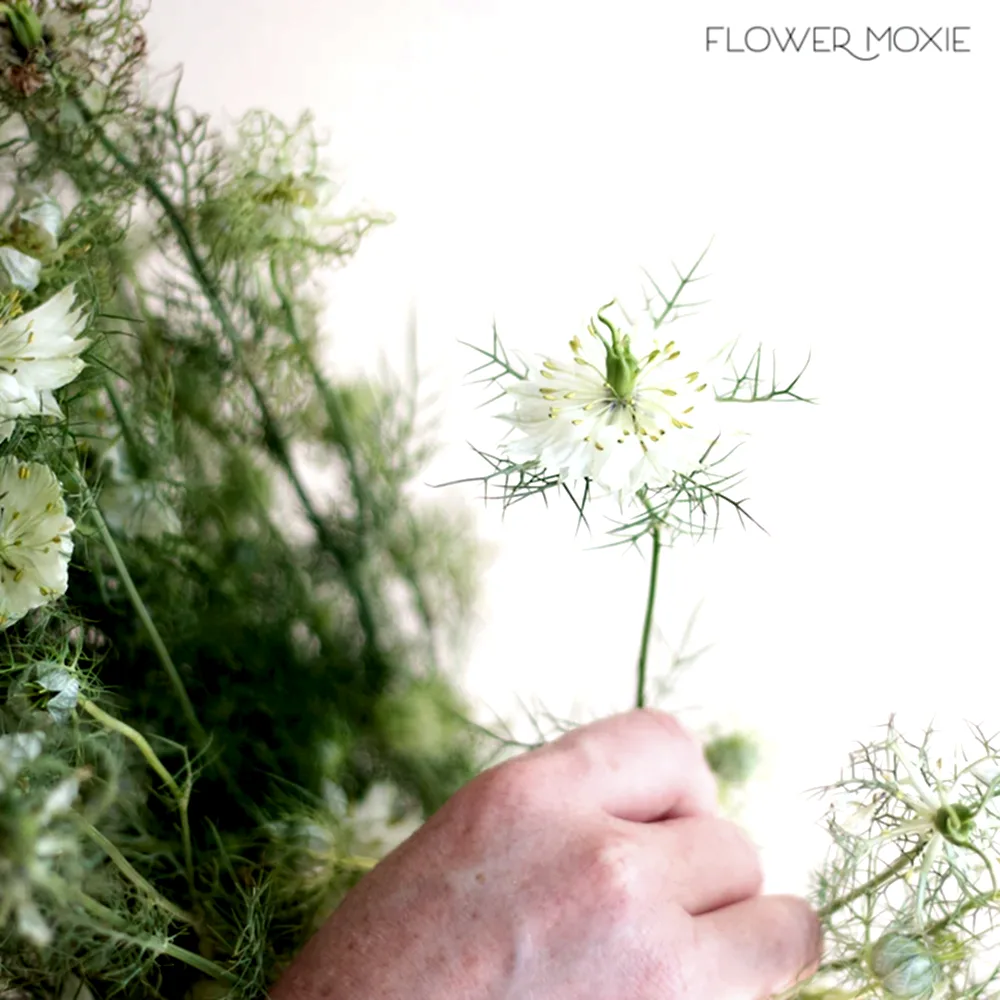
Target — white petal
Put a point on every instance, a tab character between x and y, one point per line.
31	924
18	270
44	218
916	779
60	799
35	538
16	750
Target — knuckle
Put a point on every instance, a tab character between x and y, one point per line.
670	723
613	872
502	793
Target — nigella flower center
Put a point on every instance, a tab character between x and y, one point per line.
955	823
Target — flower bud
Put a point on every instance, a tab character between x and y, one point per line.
732	758
24	23
955	823
904	966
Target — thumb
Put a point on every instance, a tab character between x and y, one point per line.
757	947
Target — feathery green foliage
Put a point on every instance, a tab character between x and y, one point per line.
248	652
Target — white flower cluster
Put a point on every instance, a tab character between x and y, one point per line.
39	353
35	542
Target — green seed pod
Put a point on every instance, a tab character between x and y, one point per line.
904	966
955	823
732	758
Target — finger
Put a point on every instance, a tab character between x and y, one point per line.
639	766
756	948
701	863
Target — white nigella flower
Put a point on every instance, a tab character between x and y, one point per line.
18	270
295	201
35	541
946	818
623	411
39	352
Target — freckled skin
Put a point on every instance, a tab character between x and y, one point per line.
593	869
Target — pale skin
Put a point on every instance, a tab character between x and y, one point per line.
595	868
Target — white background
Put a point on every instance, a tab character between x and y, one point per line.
536	155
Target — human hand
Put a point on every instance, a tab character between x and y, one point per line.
595	868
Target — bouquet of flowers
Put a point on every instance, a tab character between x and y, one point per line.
223	613
226	621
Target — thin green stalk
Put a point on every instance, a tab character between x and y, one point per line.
984	899
180	796
335	414
899	865
131	445
331	403
273	439
647	625
159	646
116	929
122	864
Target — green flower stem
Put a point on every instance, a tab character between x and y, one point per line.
180	796
975	903
358	863
899	865
163	654
117	929
122	864
123	422
331	403
647	625
273	439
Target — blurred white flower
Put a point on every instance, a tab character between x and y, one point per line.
18	270
40	221
138	510
623	411
46	848
135	508
16	750
35	542
32	844
75	989
39	352
377	823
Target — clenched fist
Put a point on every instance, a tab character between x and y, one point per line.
595	868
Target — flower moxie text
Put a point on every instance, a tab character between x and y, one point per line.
864	45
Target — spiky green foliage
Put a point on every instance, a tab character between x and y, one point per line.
251	641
